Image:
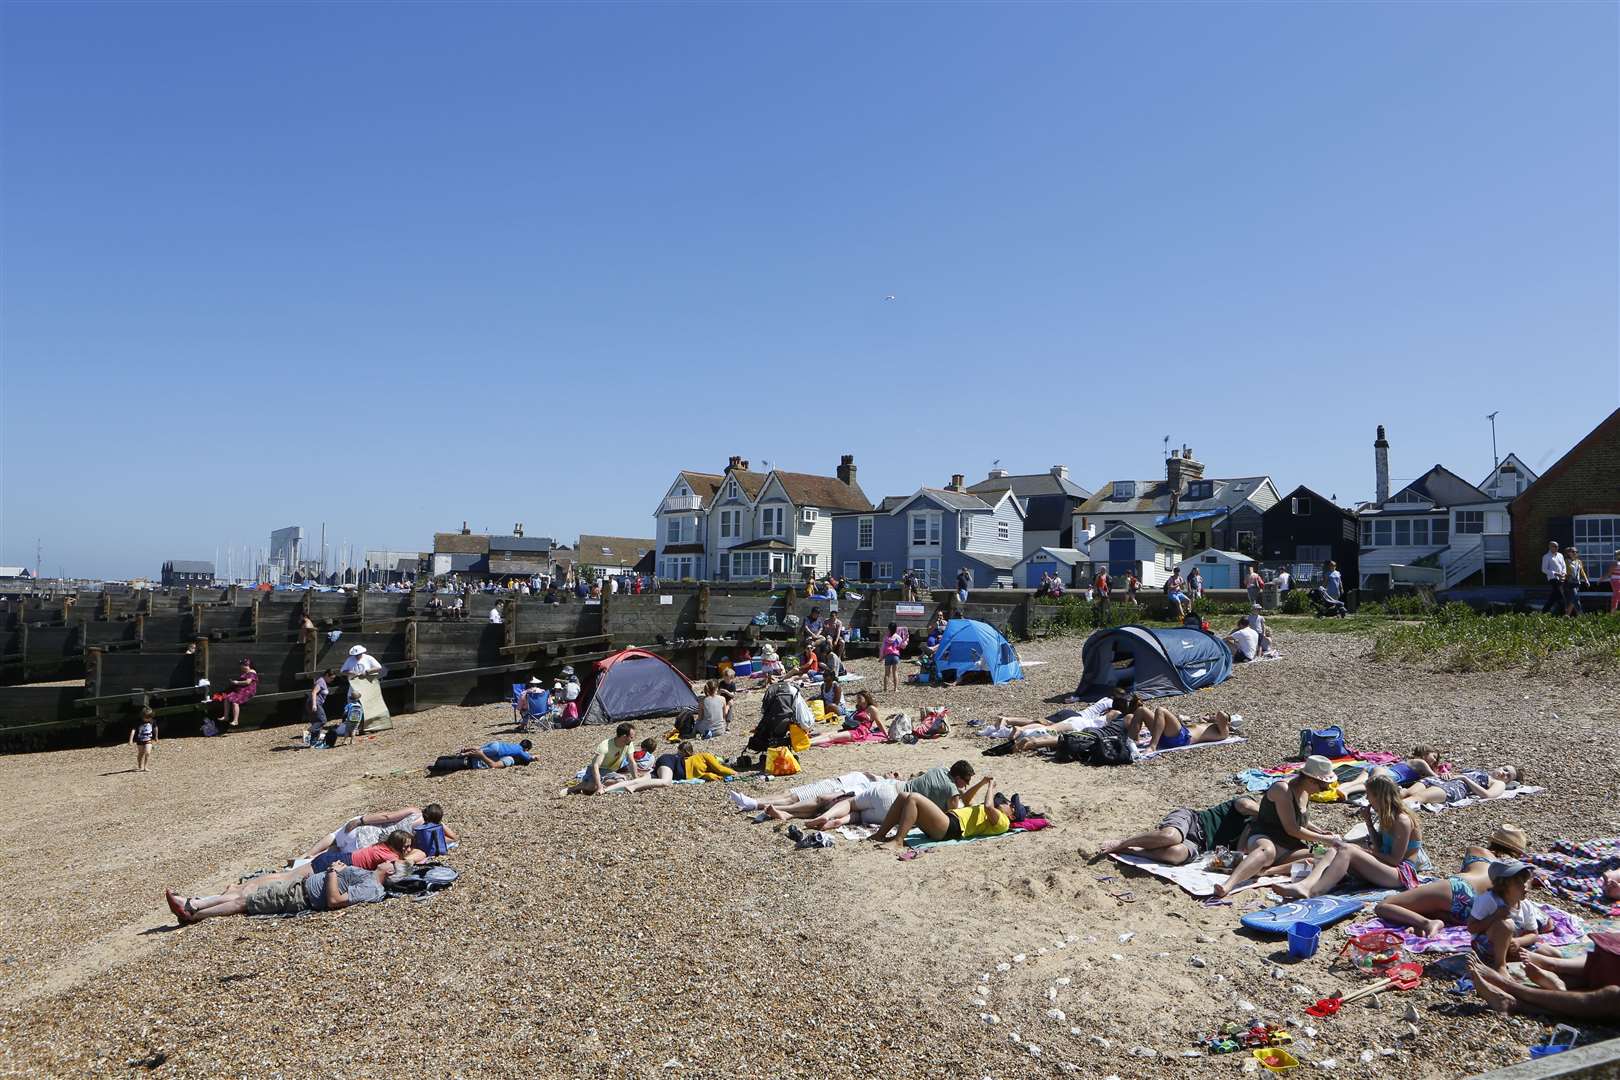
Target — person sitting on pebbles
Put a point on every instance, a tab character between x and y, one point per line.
1185	834
1503	921
612	768
1395	860
291	893
1431	907
1282	830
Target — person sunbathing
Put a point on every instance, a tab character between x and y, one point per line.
913	809
1422	762
369	829
1431	907
1166	730
1185	834
1395	860
862	726
499	755
291	893
1029	734
805	800
1595	994
1282	830
1473	784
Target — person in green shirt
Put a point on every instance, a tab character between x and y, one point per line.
1185	833
612	768
944	788
924	804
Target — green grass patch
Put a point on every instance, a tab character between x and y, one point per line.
1456	638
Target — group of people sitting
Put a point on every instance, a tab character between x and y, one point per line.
356	863
538	707
1149	728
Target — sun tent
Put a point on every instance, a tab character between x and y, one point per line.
1152	663
969	646
634	684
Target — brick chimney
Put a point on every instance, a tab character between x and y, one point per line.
1190	469
846	470
1381	465
464	530
735	463
957	482
1060	471
1173	476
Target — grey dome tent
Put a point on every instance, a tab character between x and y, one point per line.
635	684
1152	663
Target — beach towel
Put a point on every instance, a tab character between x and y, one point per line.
1576	871
1260	779
1195	877
1510	793
1566	930
1146	754
916	838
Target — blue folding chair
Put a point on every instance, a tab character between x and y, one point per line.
517	701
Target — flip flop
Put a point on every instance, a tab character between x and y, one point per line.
908	854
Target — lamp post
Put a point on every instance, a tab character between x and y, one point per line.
1495	461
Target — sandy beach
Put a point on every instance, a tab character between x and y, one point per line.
663	934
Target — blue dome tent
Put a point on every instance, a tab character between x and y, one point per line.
970	646
1152	663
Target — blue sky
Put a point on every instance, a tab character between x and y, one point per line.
392	267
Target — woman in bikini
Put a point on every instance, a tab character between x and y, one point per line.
1168	731
1397	856
1474	784
1431	907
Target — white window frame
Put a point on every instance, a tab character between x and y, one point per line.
852	569
865	533
730	524
1383	532
1003	531
1420	532
809	515
932	524
1403	532
929	568
1475	517
676	531
732	491
964	531
1596	537
1367	533
771	520
807	560
885	571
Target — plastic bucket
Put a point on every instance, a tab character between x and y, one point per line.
1303	938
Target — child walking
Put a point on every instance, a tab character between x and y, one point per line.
142	736
890	654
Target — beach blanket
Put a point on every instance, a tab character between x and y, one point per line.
1599	925
1576	871
1195	878
1510	793
916	838
1344	769
1146	754
1566	930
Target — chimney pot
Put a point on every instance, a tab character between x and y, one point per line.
1060	471
734	462
744	465
956	481
846	470
464	530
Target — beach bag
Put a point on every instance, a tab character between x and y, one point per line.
898	726
780	761
1111	750
429	840
1328	742
428	877
798	739
1074	746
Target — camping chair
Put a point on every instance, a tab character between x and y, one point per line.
517	704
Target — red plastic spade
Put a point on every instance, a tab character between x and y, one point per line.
1401	977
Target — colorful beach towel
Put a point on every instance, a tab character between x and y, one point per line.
1195	878
1146	754
1576	871
1566	930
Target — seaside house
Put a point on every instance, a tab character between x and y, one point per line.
1142	550
1510	477
180	573
1193	511
1067	563
1306	529
1576	501
599	556
936	532
521	556
1049	500
1438	529
1219	569
464	553
742	525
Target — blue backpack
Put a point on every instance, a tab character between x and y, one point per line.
1328	742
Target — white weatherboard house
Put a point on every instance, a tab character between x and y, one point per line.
741	525
1219	569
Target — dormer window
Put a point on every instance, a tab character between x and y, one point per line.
731	489
1202	489
1124	489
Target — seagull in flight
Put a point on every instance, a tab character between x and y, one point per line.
889	297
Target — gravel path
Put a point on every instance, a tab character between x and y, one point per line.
660	934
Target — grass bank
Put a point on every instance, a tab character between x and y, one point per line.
1455	638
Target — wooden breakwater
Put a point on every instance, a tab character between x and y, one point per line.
106	654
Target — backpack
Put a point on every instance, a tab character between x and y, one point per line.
1074	746
898	726
1328	742
1111	746
777	707
427	878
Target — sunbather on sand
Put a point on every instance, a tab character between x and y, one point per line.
1592	998
1394	861
914	809
1424	761
1431	907
291	892
1168	731
368	829
1473	784
806	800
1185	833
1282	831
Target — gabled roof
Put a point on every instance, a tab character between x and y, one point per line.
533	544
764	543
612	550
1066	556
950	500
1146	530
1310	493
1442	487
1029	485
1608	428
704	485
1153	496
1511	463
190	566
826	492
1235	556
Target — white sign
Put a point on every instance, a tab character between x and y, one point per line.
908	611
665	601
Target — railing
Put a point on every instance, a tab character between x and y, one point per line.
1498	548
683	502
1463	559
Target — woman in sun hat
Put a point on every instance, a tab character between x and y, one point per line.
1282	829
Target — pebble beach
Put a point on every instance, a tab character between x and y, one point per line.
664	934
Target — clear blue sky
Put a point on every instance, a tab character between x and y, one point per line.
396	266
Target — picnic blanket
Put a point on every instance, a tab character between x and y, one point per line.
1576	871
1195	877
1344	768
1145	754
1567	929
1510	793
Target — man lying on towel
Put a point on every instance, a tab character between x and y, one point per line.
1185	834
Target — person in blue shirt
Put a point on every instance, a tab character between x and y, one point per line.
498	755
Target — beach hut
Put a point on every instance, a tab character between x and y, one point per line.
970	646
1152	663
634	684
1219	569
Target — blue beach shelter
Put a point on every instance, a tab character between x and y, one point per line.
972	646
1152	663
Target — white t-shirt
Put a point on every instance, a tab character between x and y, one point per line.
363	836
1525	918
364	664
495	615
571	690
1283	581
1247	642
